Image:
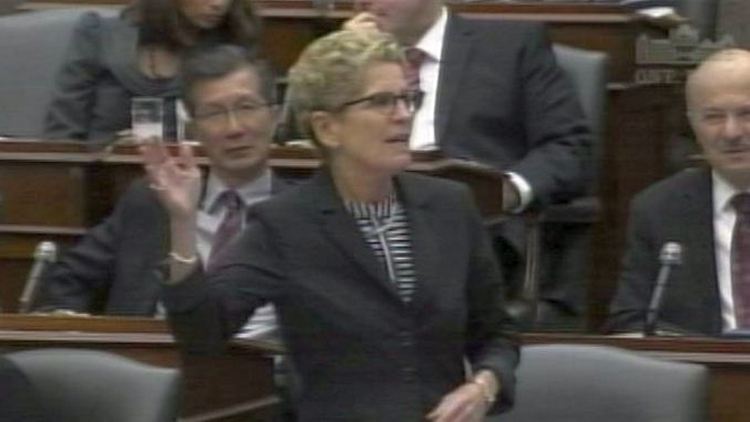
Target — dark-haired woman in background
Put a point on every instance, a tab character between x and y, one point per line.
138	53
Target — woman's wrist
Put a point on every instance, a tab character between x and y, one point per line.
487	383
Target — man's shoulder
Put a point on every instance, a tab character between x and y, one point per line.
139	198
288	193
432	184
668	190
497	27
280	184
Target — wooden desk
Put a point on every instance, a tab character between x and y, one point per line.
237	383
727	360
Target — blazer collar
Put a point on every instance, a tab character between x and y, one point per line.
342	230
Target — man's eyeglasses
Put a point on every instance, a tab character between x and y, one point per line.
386	102
243	110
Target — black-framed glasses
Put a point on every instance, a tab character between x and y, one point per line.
386	102
242	110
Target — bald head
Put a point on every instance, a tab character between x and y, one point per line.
726	69
718	100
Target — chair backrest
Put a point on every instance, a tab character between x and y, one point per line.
580	383
587	70
33	45
85	385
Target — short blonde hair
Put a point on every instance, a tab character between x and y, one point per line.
329	72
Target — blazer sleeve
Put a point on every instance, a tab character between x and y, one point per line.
70	111
205	310
557	166
493	341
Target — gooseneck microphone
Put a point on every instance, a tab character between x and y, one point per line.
44	255
669	257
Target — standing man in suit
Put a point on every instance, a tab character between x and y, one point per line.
705	210
119	262
494	94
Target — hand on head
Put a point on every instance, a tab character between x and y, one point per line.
175	179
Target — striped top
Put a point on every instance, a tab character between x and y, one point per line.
385	227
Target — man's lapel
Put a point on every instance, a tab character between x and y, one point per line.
457	45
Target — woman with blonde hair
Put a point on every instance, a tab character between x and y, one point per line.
384	281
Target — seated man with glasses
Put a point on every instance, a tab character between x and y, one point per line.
705	210
117	268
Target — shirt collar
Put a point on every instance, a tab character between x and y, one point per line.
723	192
432	40
256	190
381	209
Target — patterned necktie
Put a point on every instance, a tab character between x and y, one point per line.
229	227
740	260
414	59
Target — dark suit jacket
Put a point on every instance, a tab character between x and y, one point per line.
677	209
361	353
116	268
503	101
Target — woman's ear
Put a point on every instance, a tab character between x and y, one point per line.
325	128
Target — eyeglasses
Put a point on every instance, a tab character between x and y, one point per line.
717	117
243	110
386	102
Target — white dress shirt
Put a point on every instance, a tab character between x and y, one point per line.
724	218
262	325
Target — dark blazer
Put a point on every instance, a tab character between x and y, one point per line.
116	268
677	209
502	100
361	353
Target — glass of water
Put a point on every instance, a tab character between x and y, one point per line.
147	119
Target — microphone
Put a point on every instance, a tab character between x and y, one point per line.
669	257
44	255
